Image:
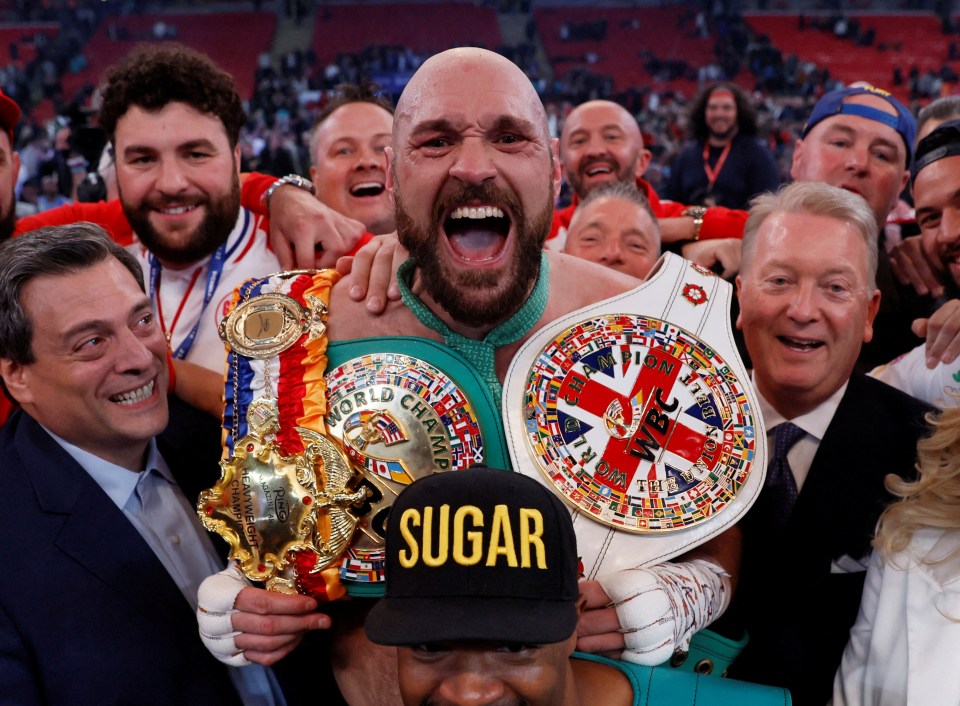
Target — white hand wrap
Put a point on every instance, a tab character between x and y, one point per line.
215	601
660	608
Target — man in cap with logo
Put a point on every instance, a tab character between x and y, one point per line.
482	602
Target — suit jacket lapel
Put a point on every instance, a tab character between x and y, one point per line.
95	533
846	477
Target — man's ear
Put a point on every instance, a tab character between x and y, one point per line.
796	159
16	377
556	170
873	306
739	322
388	153
643	161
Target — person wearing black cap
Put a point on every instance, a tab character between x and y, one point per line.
482	600
935	184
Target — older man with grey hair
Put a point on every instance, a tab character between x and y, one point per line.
808	299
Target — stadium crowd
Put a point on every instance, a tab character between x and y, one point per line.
467	213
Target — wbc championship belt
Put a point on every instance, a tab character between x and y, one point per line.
638	412
320	438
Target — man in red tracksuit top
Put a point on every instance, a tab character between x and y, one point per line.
601	143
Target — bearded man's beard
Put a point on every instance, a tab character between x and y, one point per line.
480	297
181	248
625	174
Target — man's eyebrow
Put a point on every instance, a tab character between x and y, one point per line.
189	145
933	209
435	125
845	129
194	144
883	141
144	304
849	131
507	123
598	222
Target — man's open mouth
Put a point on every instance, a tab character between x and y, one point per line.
367	189
800	344
477	233
598	169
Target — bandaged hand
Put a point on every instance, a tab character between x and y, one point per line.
215	601
240	624
661	607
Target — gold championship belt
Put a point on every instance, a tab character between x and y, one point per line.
320	439
639	414
288	498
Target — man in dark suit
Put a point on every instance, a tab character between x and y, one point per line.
808	299
106	552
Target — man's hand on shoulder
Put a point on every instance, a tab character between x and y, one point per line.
942	331
373	271
723	254
912	268
306	233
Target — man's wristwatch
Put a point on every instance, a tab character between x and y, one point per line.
292	179
695	212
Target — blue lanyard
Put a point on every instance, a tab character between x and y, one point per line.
213	279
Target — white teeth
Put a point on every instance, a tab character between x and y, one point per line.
134	396
368	185
477	212
599	170
176	211
800	343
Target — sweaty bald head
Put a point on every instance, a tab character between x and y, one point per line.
466	71
601	144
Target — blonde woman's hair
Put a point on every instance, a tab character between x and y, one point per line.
933	499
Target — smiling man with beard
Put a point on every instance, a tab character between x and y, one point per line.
174	118
474	173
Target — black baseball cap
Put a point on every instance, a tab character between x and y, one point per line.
478	555
943	142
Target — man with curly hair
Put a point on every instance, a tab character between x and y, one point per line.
725	165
